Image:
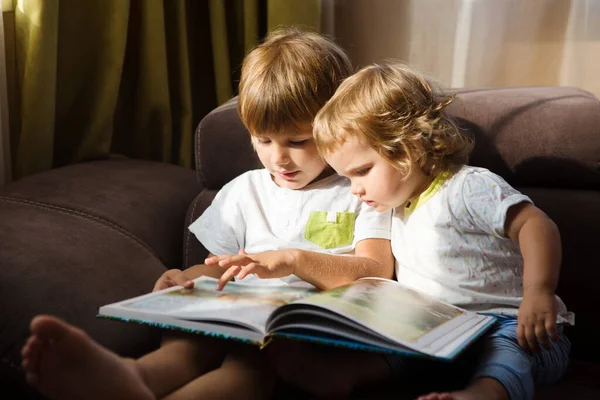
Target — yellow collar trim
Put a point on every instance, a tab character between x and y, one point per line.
437	183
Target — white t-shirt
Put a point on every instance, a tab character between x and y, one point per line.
451	244
253	213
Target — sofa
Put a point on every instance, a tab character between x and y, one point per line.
78	237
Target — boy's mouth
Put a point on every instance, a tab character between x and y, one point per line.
288	176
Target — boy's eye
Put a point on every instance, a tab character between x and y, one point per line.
298	142
264	141
363	171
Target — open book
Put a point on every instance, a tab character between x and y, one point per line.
369	314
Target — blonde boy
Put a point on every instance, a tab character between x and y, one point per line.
284	224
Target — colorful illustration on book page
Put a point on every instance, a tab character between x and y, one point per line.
388	308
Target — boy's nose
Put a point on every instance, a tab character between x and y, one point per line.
281	157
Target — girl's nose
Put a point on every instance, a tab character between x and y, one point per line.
357	189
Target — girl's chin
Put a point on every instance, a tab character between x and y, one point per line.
381	207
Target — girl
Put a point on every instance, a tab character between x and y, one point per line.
459	233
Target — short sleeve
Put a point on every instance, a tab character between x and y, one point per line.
221	228
371	224
486	198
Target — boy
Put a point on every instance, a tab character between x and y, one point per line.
294	217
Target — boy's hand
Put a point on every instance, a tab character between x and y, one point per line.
270	264
537	319
173	277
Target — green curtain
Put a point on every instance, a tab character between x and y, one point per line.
97	78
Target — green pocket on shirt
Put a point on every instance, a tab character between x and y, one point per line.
327	233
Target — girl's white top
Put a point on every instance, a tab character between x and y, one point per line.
451	244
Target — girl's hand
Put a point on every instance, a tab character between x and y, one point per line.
269	264
173	277
537	319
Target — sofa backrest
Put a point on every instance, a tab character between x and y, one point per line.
222	147
537	136
545	141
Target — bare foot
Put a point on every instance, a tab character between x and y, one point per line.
63	362
484	388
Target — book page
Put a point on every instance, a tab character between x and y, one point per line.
238	303
389	309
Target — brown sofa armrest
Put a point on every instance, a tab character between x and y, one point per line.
75	238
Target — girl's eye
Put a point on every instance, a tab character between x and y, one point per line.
298	142
363	172
264	141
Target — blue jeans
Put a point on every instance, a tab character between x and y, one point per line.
498	355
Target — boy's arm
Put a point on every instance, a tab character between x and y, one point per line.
372	258
539	241
372	254
174	277
204	270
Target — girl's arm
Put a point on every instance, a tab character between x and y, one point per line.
539	240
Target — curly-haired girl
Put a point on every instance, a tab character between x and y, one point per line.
459	233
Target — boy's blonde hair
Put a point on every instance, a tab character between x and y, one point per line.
397	112
287	79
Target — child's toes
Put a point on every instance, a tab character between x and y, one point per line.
26	349
30	353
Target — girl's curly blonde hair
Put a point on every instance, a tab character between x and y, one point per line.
397	112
